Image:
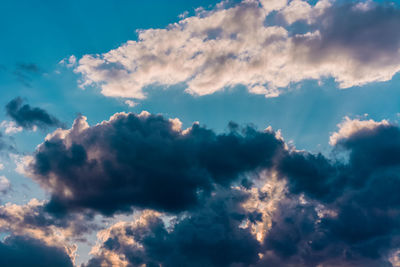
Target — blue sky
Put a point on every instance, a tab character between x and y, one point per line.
331	77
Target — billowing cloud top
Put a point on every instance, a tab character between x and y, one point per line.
256	44
145	161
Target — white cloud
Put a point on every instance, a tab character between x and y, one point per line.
10	127
183	15
130	103
21	163
69	62
302	10
348	127
230	46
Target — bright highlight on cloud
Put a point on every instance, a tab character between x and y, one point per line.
263	45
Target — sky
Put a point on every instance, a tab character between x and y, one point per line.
200	133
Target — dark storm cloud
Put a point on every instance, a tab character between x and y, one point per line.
299	237
140	160
362	193
28	117
23	251
370	152
350	214
211	236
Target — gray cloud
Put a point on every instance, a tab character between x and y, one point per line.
28	117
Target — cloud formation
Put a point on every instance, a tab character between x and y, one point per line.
145	161
242	198
29	117
257	44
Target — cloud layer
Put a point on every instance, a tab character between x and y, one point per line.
264	45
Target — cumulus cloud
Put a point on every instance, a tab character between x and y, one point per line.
350	126
28	117
271	223
68	62
241	198
211	236
355	43
144	161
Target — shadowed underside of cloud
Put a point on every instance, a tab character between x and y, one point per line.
23	251
242	198
29	117
254	43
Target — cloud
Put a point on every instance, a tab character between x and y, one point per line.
360	194
10	127
130	103
144	161
23	251
303	210
241	198
349	127
247	44
29	117
211	236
